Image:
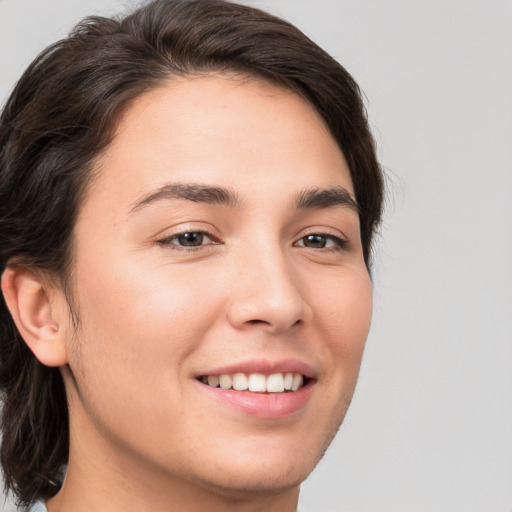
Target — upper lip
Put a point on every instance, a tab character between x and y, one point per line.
264	366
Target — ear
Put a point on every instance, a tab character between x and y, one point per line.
38	314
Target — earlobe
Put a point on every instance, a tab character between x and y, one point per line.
31	308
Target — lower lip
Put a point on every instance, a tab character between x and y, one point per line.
263	405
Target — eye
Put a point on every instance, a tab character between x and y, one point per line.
188	239
321	241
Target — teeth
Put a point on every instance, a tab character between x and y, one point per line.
213	381
275	383
297	382
256	382
225	381
240	382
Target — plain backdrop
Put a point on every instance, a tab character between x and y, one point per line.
430	427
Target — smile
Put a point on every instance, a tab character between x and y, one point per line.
261	389
256	382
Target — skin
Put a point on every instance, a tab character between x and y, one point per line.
153	314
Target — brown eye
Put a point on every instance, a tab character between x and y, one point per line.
315	241
192	239
188	239
319	241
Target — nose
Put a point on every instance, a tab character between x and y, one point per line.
267	293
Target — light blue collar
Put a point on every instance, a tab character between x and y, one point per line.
38	506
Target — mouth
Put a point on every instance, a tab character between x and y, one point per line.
257	382
261	389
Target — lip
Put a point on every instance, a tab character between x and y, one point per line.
270	406
264	366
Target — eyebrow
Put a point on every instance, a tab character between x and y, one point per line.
304	200
190	192
325	198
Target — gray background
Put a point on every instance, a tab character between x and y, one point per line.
430	428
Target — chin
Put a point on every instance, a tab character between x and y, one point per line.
264	468
258	481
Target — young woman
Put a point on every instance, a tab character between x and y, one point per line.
188	197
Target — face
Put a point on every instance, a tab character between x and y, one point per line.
219	246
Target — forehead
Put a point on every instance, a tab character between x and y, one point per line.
220	129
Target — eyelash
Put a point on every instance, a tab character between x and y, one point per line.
167	241
339	243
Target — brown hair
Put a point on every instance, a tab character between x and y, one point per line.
61	115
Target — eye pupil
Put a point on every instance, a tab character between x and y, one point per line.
316	241
191	239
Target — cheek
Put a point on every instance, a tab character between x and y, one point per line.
343	312
145	314
135	339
